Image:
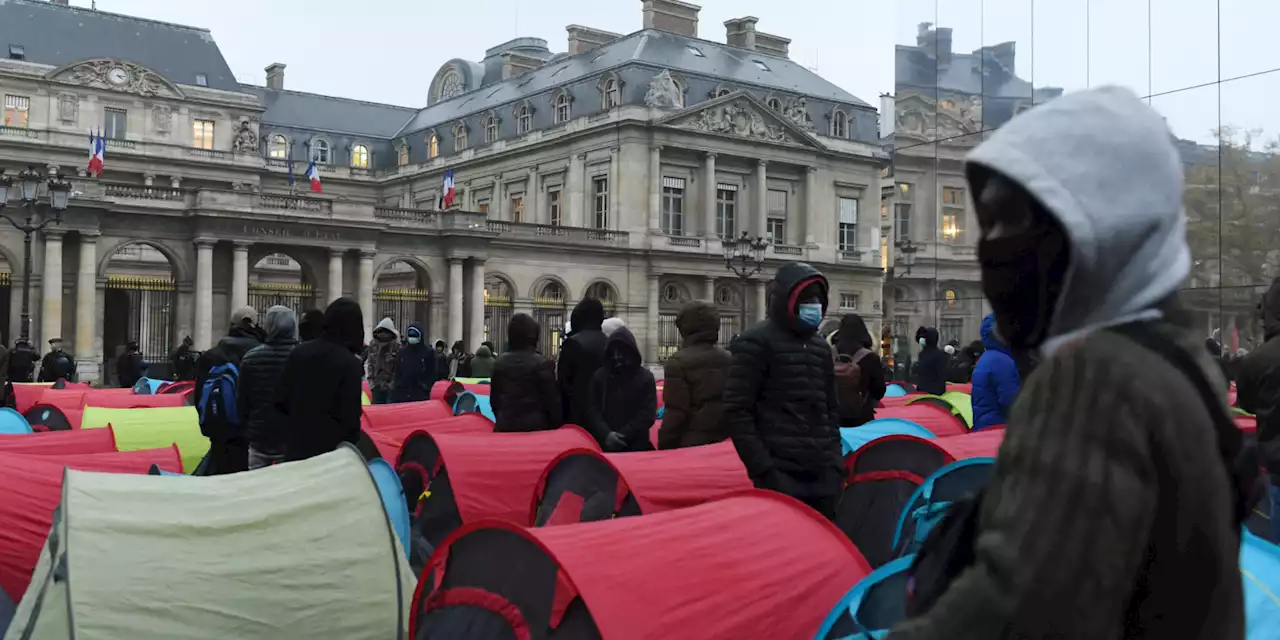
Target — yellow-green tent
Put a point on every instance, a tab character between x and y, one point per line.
152	429
960	403
472	380
364	399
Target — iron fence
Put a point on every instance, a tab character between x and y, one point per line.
668	336
404	307
140	308
299	297
497	315
552	320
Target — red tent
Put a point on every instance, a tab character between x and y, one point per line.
68	398
964	387
33	488
114	399
389	440
661	402
454	479
1247	424
582	485
898	401
978	444
754	565
653	433
380	417
80	441
937	420
441	388
26	394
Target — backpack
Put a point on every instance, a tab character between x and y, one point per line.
219	415
949	548
851	389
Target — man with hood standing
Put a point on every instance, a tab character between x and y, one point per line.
623	399
1258	389
581	354
415	368
320	387
382	359
859	374
780	398
995	379
1114	507
931	368
260	372
693	382
22	361
482	363
523	392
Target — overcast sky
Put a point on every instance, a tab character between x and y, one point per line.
388	50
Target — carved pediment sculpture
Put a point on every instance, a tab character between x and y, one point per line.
798	113
664	93
246	140
68	108
162	118
737	118
116	75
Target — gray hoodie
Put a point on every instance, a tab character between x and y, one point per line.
280	324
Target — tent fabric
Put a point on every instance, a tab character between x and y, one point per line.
899	401
381	417
894	391
441	388
44	417
957	481
963	404
26	394
181	386
653	432
12	422
133	400
304	550
753	565
33	488
1247	424
151	428
389	440
872	606
979	444
1260	572
852	438
78	442
392	494
965	387
940	422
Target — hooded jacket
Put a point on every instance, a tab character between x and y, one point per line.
22	362
482	364
853	336
382	354
932	365
623	395
260	372
415	369
580	355
230	349
1258	384
780	398
693	382
1109	512
995	379
320	387
523	392
311	325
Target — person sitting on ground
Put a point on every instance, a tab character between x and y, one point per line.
130	367
260	373
415	368
693	382
623	397
859	373
523	392
319	391
382	359
482	363
57	364
311	326
995	380
228	449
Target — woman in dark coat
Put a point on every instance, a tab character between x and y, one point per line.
693	382
854	346
415	369
623	398
523	391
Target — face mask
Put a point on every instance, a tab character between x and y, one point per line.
810	314
414	340
921	341
1022	280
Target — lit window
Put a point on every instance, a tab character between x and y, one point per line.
554	208
320	151
278	147
360	157
953	196
761	65
848	224
600	192
517	207
490	129
839	125
16	111
884	253
524	119
775	104
904	191
433	146
776	205
850	300
673	206
202	134
726	210
953	199
459	137
610	93
950	296
950	226
562	108
695	51
202	80
402	155
114	123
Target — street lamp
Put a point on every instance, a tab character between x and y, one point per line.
908	254
744	257
29	184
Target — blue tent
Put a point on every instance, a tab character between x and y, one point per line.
12	422
871	607
468	402
149	386
855	437
1260	571
894	391
956	481
389	487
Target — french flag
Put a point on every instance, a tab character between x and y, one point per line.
448	189
97	154
313	174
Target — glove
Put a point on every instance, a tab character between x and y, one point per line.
613	443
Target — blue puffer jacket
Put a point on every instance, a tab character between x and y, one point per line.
995	380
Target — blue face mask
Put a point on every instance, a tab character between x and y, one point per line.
414	340
810	314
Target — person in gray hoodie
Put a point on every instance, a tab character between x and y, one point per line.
260	371
382	360
1110	512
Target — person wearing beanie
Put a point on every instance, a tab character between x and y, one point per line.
320	387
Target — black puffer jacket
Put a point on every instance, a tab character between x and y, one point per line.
624	398
320	388
854	336
230	349
931	369
415	369
260	372
780	399
693	382
1258	384
580	356
523	392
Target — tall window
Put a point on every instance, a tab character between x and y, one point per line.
554	208
459	137
17	110
884	252
490	129
839	124
483	206
320	151
902	213
776	205
673	206
562	108
600	201
850	301
517	207
524	120
611	98
402	155
278	147
202	134
951	329
433	146
360	157
114	123
952	213
848	224
726	210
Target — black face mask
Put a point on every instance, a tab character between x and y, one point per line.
1022	278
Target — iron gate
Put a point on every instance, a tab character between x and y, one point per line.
404	307
668	336
551	320
299	297
497	315
140	308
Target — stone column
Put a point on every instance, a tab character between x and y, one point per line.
204	294
51	288
364	290
655	188
455	300
475	305
709	196
762	301
711	290
335	274
87	308
811	216
240	276
615	188
762	200
532	198
573	189
498	201
651	326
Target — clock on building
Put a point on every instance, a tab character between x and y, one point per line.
117	76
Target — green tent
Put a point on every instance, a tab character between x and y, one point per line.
152	429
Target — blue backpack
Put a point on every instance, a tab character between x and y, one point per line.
218	411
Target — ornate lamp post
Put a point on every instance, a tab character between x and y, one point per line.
908	251
744	257
29	184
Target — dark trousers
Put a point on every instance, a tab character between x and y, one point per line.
227	457
380	396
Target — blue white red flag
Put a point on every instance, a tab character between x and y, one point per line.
448	189
97	154
313	174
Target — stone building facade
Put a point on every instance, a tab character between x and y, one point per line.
613	170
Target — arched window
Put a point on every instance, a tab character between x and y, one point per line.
433	146
451	85
603	292
775	104
278	147
320	151
459	137
722	91
360	157
839	124
490	129
562	107
552	294
402	154
611	94
524	119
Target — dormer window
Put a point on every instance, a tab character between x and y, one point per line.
775	104
277	147
433	145
524	119
611	95
320	151
17	52
459	137
839	125
562	107
490	128
695	51
202	80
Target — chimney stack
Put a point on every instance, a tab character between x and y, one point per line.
677	17
585	38
741	33
64	3
514	64
275	76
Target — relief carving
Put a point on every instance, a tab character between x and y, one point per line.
922	117
68	108
737	119
117	75
798	113
246	140
664	93
162	118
